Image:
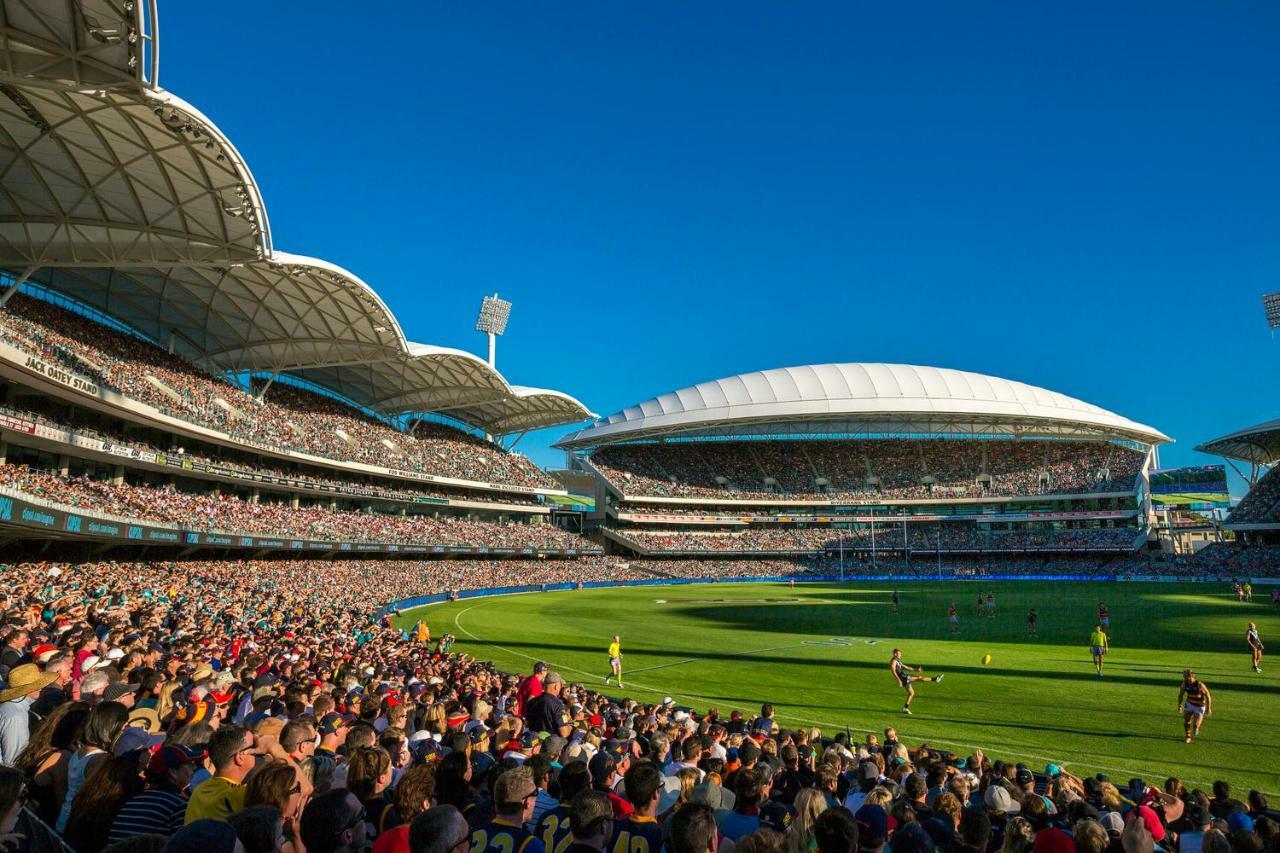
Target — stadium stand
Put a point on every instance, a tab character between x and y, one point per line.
167	699
286	418
808	459
197	655
884	469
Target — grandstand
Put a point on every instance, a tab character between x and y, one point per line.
169	378
226	472
867	459
1257	517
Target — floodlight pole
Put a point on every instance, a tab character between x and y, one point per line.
493	350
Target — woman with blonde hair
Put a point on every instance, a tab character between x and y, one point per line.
688	777
799	838
435	720
880	796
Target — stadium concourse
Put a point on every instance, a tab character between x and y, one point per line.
222	466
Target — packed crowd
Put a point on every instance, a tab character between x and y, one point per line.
78	424
1261	503
859	469
286	418
1234	559
230	514
889	537
219	708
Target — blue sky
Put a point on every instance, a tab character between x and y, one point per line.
1085	198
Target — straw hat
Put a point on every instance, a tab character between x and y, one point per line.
25	679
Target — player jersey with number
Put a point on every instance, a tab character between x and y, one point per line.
496	837
636	835
553	829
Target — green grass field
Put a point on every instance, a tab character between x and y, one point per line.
820	653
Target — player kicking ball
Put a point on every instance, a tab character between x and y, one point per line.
1255	646
615	661
1194	702
902	673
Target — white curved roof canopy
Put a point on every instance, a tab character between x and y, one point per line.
861	399
129	200
105	178
85	43
1258	445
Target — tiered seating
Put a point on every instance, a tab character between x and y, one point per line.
900	469
288	418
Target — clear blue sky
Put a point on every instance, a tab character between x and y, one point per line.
1084	198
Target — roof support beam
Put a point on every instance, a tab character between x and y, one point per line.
17	282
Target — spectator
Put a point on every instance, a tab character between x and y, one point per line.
231	754
24	685
334	822
161	808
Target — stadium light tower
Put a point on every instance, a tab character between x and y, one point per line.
493	322
1271	302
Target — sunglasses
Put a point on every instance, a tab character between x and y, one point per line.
360	816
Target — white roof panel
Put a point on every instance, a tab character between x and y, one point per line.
873	397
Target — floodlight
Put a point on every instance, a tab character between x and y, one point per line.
494	313
1271	302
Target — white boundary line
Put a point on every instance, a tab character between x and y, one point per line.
827	723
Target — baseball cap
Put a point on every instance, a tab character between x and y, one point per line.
115	691
998	799
911	838
171	756
132	737
331	722
539	667
873	822
1024	776
1112	822
1053	841
1235	820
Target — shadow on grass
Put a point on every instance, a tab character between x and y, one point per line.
881	669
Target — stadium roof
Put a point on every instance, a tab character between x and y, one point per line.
860	399
129	200
1259	445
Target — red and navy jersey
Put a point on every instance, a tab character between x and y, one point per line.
1194	691
496	837
1103	612
636	835
553	829
951	611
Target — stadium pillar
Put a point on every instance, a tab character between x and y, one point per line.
4	452
255	495
13	288
64	465
293	501
117	475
